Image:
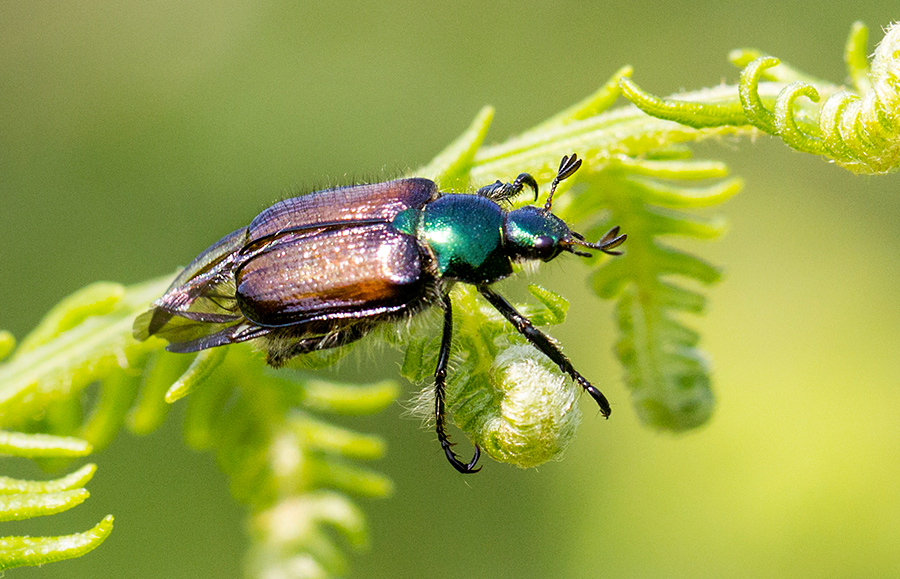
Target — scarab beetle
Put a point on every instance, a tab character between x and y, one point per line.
322	270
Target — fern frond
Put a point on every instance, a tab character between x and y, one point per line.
667	373
261	426
85	339
858	128
24	499
285	462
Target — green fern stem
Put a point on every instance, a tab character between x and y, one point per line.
858	128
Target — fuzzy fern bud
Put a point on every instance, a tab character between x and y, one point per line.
535	415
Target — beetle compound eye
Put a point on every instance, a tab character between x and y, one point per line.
545	247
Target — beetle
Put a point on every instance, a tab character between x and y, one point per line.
323	269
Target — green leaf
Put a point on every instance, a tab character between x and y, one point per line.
19	551
24	499
7	344
93	300
99	345
28	505
151	409
555	307
349	399
691	113
42	445
74	480
200	369
855	56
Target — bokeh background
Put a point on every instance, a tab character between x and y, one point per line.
134	134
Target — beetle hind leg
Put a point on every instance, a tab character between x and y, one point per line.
280	349
440	383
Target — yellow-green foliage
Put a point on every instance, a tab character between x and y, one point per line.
24	499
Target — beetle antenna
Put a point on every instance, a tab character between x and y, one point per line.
611	240
567	167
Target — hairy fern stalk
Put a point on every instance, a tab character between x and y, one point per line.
294	469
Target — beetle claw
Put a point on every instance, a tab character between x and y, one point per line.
599	398
464	468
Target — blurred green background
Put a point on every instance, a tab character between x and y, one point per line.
132	135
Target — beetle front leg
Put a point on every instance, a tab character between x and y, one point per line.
543	343
440	383
499	191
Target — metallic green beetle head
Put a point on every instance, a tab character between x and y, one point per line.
534	232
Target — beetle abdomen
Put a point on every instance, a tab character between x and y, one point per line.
357	271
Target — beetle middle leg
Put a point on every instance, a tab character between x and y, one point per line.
440	383
542	342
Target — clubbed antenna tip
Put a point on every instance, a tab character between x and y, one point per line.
567	167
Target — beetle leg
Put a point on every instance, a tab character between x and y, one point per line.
525	179
544	343
499	191
277	357
440	383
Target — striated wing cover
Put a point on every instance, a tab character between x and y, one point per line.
351	272
379	202
287	256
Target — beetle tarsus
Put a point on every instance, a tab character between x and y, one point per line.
499	191
598	397
444	439
525	179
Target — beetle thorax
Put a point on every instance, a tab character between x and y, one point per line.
464	234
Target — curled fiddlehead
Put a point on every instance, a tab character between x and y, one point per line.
857	127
